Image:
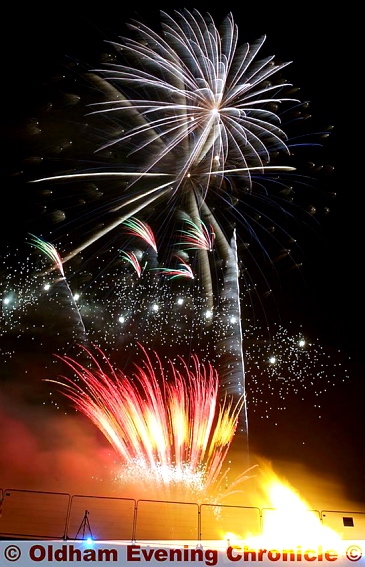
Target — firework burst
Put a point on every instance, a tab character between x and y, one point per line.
193	143
198	116
212	96
168	428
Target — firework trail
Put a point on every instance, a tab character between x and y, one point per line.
229	339
133	260
184	270
166	427
196	236
141	229
50	251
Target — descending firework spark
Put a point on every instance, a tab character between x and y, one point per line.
184	270
133	260
50	251
167	427
197	236
141	229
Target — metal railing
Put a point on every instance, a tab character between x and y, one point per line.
30	514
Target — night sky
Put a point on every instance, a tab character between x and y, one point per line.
317	428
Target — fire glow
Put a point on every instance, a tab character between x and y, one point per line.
287	520
173	434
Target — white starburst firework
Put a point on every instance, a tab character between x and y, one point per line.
195	112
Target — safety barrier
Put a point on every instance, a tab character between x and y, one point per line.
30	514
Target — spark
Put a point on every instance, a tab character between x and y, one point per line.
141	229
197	235
167	426
204	117
130	257
50	251
284	364
184	270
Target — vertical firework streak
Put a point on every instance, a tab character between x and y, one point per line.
229	339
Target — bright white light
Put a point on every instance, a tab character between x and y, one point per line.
272	359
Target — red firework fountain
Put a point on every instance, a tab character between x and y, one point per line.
167	427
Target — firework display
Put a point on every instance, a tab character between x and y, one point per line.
141	278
